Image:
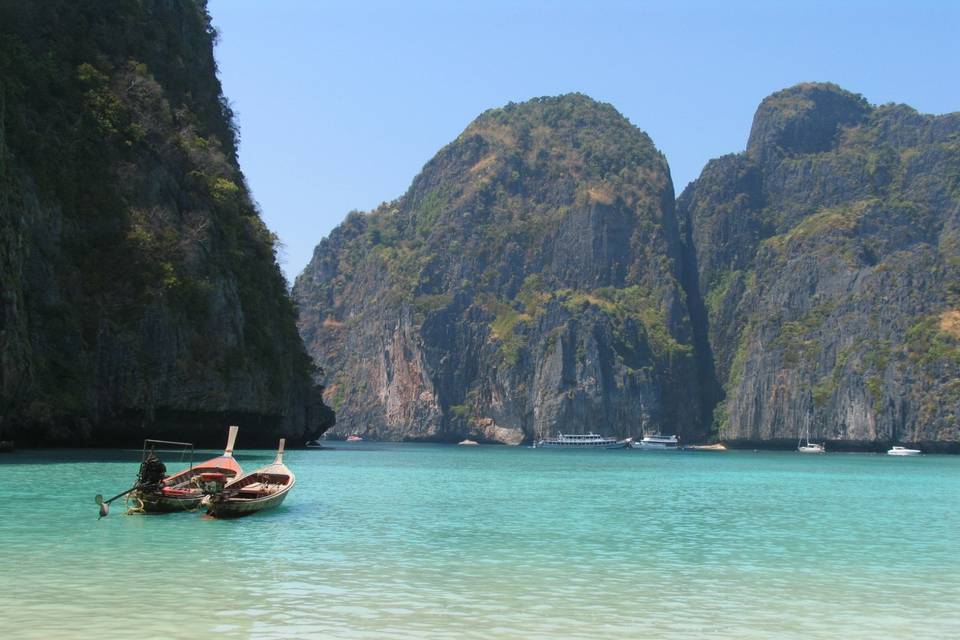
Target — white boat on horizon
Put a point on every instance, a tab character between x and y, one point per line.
805	446
577	441
812	447
657	442
903	451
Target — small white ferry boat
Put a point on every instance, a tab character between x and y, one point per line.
903	451
657	442
577	441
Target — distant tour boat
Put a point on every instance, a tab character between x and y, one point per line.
354	438
468	442
657	442
903	451
577	441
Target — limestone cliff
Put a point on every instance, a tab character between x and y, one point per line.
828	255
140	291
530	281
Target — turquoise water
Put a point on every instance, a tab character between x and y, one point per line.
432	541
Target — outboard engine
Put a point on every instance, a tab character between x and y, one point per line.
152	471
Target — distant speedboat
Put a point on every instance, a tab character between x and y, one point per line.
576	441
719	446
354	438
468	443
657	442
903	451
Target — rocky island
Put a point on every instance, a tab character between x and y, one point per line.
534	278
539	276
828	255
139	288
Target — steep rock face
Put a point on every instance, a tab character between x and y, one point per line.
828	255
140	291
530	281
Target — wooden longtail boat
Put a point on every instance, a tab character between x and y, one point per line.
183	491
262	489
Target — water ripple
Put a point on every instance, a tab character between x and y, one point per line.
413	541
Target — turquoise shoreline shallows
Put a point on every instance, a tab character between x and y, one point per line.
432	541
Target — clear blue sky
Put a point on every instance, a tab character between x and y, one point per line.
341	104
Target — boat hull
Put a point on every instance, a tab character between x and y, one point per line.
156	502
657	442
237	507
811	449
656	446
265	488
706	447
605	445
577	441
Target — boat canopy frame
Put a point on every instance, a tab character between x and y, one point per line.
149	442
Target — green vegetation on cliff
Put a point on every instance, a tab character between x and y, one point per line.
528	278
828	258
138	276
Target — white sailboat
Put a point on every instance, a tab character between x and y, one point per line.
804	445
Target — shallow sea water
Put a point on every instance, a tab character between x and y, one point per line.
434	541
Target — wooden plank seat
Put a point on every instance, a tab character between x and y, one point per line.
261	488
257	490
